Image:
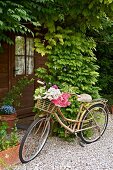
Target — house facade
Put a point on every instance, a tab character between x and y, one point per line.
16	61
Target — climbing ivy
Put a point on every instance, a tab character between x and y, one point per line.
15	17
70	59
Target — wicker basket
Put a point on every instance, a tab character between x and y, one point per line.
45	105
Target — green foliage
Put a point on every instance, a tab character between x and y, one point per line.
109	97
13	96
106	72
104	50
39	92
81	15
71	60
59	131
7	140
13	16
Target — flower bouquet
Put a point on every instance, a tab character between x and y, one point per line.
54	95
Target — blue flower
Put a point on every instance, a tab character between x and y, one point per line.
7	109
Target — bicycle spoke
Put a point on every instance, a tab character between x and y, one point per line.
34	139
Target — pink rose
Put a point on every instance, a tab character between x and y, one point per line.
55	86
62	100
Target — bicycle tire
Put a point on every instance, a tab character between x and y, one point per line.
34	139
98	113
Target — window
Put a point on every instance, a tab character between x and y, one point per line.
24	55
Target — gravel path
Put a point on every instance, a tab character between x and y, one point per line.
61	155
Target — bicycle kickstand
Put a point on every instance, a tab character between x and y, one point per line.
80	142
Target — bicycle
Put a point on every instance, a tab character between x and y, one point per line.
90	125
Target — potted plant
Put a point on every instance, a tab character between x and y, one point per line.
12	101
9	146
8	114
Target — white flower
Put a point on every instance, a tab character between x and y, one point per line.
37	97
52	93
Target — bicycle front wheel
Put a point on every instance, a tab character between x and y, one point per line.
34	139
94	123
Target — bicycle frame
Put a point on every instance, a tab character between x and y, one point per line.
76	123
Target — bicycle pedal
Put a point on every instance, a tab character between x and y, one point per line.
76	134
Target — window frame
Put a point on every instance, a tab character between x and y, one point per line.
25	56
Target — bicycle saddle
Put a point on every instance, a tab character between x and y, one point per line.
84	98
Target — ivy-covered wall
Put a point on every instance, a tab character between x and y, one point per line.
70	59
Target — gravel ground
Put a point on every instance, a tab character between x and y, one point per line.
61	155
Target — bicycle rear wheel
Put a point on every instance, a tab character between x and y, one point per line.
94	122
34	139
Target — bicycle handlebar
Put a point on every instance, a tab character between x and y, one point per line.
40	82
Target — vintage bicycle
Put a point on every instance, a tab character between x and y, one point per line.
89	125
